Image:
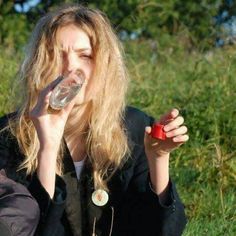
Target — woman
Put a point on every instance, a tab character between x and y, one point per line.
93	166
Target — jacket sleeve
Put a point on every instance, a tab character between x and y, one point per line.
51	210
142	210
165	220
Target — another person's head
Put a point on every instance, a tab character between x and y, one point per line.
69	39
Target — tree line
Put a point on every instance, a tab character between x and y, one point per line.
140	18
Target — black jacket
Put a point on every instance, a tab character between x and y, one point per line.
132	210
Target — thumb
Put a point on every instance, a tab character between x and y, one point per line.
69	107
148	130
147	136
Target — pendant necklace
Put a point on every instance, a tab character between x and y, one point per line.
100	197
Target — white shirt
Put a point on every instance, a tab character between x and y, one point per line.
78	167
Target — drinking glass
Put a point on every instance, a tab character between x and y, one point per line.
68	87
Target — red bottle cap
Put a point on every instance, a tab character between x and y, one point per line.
158	131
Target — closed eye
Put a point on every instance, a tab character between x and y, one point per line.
86	56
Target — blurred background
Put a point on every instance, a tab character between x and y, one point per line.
179	54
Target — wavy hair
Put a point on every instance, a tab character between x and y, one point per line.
106	138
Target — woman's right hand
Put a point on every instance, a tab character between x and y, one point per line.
49	124
50	128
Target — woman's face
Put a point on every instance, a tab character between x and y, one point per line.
77	55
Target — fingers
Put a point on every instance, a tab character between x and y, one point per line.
47	90
174	124
54	83
44	95
181	139
172	114
67	109
174	127
148	139
176	132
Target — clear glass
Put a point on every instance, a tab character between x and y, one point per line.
67	88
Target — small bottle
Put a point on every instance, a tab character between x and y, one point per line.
158	131
66	90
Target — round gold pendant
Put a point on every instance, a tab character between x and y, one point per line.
100	197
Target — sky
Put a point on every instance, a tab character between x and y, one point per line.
26	6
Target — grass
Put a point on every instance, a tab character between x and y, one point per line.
9	64
202	86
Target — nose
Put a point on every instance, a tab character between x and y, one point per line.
71	63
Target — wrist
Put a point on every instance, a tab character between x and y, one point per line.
159	172
48	153
49	146
159	157
159	164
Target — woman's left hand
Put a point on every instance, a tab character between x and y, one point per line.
176	135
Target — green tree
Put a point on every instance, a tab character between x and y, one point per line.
151	18
14	27
148	18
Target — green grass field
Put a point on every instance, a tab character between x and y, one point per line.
203	87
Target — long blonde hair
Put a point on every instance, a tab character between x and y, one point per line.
106	140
